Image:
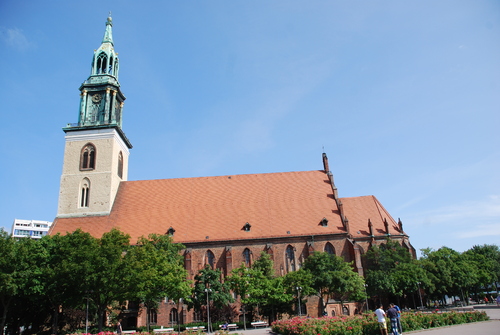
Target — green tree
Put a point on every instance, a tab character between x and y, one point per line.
448	272
409	278
9	281
260	289
209	290
333	278
157	271
490	263
69	271
21	276
299	284
267	292
384	261
109	274
240	281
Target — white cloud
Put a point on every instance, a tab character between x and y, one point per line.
468	212
481	231
15	38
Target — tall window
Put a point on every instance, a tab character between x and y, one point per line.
87	157
174	316
85	193
153	316
329	249
120	165
110	67
101	63
210	259
247	257
290	258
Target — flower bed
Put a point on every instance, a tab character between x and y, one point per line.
367	324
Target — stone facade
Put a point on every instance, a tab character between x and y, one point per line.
104	178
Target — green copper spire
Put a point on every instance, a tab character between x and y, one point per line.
101	103
105	60
108	35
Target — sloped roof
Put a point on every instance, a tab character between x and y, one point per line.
217	208
361	209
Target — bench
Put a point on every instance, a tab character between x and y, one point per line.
202	328
259	324
129	331
230	326
163	330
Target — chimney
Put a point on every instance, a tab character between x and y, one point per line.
400	224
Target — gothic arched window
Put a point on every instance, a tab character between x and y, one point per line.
87	157
110	66
247	257
210	259
153	316
290	258
101	63
174	316
329	249
85	193
115	70
120	165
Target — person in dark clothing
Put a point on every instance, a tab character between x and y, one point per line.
119	328
392	314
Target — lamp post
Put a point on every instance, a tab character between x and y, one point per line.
87	311
420	295
208	310
298	299
366	294
87	317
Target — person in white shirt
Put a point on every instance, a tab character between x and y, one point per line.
381	320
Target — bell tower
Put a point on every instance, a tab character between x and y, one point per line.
96	151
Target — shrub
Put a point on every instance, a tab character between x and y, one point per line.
367	324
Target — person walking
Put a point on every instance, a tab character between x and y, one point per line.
392	314
381	320
400	329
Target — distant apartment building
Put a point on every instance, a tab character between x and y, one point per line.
30	228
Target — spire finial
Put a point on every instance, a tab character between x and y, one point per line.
108	35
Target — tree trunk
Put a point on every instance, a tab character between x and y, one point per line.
55	320
4	318
100	314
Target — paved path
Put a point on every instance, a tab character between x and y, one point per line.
491	327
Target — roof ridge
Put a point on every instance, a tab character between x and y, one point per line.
222	176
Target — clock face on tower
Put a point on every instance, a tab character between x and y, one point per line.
96	98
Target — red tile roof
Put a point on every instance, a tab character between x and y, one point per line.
359	209
217	208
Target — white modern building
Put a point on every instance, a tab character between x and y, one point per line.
30	228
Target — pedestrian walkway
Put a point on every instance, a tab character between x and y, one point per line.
491	327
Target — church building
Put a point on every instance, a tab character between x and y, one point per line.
223	221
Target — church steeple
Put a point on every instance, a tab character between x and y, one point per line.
101	102
105	61
97	150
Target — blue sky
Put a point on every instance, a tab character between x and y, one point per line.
403	96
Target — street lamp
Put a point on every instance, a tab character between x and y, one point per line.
87	312
366	294
208	310
298	298
87	318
